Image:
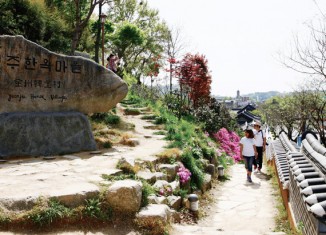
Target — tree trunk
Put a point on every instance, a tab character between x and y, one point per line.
75	40
170	78
98	34
180	103
80	23
151	84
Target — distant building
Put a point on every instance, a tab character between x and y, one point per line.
228	104
248	107
238	94
245	117
238	102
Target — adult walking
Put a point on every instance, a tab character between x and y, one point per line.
248	151
260	141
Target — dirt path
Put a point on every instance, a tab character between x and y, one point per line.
239	207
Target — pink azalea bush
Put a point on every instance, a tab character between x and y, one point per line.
166	190
229	143
184	175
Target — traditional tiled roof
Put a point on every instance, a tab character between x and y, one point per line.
247	107
302	173
246	116
308	169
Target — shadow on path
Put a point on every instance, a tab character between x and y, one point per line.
263	176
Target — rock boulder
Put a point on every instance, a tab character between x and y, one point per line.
124	196
34	79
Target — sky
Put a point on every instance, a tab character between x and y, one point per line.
243	40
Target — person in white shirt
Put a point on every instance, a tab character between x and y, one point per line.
260	142
248	151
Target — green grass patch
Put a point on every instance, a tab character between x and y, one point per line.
46	212
281	219
118	177
107	118
160	120
159	133
149	117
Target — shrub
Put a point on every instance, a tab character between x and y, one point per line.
107	118
229	142
98	117
160	120
146	191
152	226
107	145
183	174
112	119
181	192
195	168
170	155
93	208
103	142
4	219
197	152
214	116
165	190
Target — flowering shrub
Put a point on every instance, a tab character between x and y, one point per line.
229	142
184	175
219	152
166	190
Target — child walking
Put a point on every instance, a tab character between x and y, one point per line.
248	151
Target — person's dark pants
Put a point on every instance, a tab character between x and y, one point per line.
248	162
258	162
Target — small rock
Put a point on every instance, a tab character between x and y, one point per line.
48	158
96	152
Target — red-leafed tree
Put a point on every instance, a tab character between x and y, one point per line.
153	68
195	78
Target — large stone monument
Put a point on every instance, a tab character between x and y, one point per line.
44	96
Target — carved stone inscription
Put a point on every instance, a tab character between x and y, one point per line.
35	79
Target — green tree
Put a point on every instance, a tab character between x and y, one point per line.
313	107
138	37
20	17
283	113
215	116
35	22
77	14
